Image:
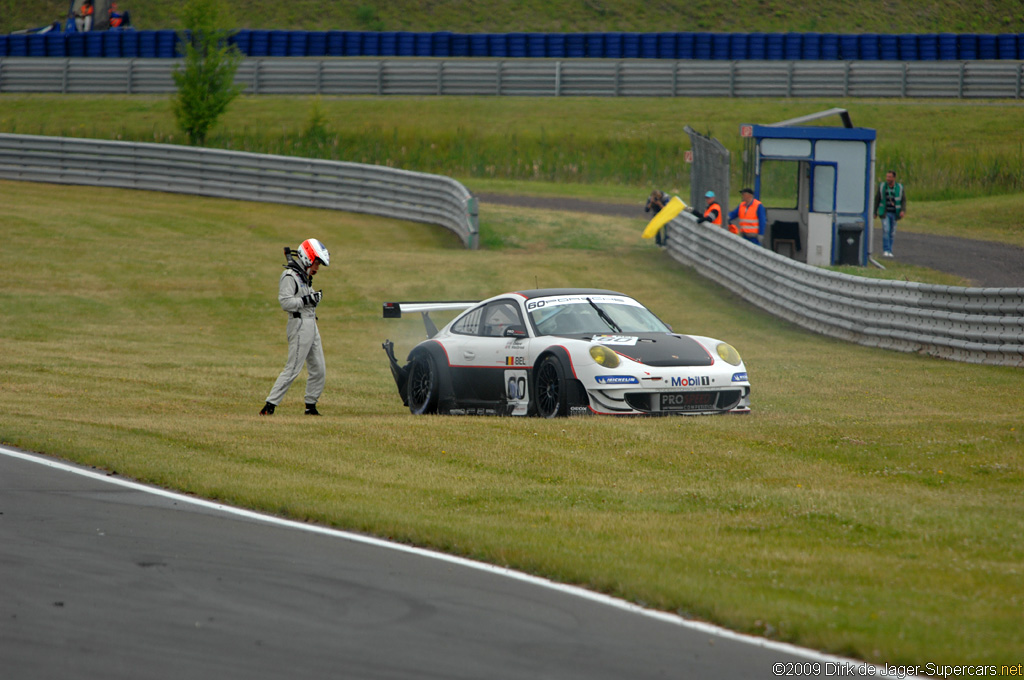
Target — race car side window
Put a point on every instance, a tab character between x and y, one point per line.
498	316
470	323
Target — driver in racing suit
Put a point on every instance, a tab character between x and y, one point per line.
299	300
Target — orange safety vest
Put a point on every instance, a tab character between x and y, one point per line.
747	220
718	220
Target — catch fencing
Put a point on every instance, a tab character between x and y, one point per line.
535	77
975	325
352	187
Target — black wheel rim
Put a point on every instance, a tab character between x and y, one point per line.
420	384
547	390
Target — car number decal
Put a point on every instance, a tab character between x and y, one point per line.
517	391
616	339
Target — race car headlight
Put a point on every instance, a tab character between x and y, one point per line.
604	356
729	354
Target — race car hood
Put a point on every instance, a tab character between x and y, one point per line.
656	349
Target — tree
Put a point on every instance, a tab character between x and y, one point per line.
206	77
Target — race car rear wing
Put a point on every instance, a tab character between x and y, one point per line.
393	310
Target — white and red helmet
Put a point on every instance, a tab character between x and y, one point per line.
312	250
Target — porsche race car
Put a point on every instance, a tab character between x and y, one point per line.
560	352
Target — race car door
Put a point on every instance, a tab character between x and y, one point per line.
489	363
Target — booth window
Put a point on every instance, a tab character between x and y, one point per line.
780	184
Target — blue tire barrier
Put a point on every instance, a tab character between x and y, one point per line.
316	44
147	44
575	46
721	46
667	46
947	46
423	45
36	45
967	46
686	45
111	44
298	43
241	39
478	46
277	43
701	46
405	44
94	45
516	45
335	43
370	42
830	46
630	45
739	46
774	46
811	47
129	44
555	46
867	46
460	45
928	46
56	45
389	43
536	45
3	45
987	48
497	44
353	41
849	47
791	46
76	45
593	45
441	44
648	45
613	46
888	47
17	45
909	46
259	43
1006	46
756	45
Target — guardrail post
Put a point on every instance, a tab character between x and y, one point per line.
558	78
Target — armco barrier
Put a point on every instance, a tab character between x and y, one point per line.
352	187
537	77
976	325
130	44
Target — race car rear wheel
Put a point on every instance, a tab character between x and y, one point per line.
551	389
422	386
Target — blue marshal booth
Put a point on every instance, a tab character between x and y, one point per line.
817	186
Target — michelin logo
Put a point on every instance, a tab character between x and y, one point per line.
692	381
616	380
739	377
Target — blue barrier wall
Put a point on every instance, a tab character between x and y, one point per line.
710	46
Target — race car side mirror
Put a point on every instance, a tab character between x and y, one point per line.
515	332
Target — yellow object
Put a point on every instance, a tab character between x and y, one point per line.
664	216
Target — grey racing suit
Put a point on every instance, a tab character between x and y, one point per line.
303	339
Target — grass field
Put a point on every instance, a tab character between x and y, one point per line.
476	16
869	506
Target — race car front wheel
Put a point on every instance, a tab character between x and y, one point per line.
422	386
551	389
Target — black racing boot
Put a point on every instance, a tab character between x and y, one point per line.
268	409
311	410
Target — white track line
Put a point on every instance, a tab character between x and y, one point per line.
840	665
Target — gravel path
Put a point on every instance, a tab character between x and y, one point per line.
985	263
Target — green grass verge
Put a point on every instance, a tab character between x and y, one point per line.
869	506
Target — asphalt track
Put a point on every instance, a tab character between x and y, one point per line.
983	263
104	578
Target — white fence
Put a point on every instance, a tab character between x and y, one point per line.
976	325
999	79
352	187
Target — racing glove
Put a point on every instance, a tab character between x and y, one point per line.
313	299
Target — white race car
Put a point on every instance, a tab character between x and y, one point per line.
564	352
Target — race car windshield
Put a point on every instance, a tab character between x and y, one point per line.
580	315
